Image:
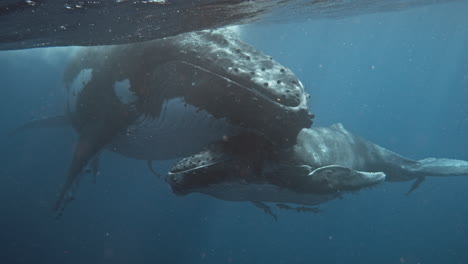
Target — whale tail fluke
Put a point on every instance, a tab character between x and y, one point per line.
437	167
442	167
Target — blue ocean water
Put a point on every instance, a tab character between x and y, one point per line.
397	79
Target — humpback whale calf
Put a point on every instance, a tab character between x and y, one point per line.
169	98
324	163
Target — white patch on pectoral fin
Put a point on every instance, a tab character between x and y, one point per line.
123	92
77	85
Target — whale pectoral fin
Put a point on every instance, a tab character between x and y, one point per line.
335	178
85	150
93	138
416	184
47	122
149	163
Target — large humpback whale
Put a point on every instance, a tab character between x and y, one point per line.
324	162
171	97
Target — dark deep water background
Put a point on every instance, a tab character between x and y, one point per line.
397	79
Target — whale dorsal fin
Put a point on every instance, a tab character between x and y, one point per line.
338	126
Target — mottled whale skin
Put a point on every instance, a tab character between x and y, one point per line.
169	98
324	163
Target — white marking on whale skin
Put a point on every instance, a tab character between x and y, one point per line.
180	130
77	85
368	177
123	92
337	176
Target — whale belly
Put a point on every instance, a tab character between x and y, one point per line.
180	130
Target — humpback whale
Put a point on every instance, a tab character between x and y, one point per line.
324	163
27	24
169	98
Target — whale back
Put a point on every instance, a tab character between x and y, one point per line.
335	145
